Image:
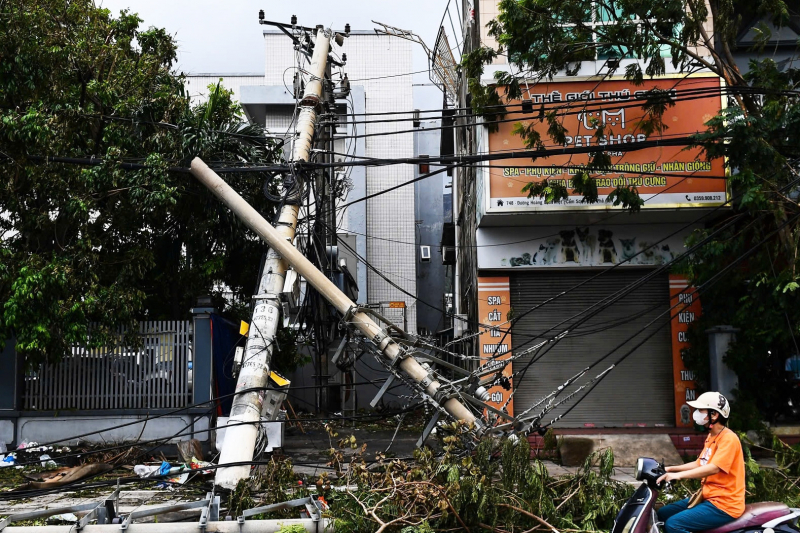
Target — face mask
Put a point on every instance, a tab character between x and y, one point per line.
699	418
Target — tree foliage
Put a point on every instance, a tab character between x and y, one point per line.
103	243
756	134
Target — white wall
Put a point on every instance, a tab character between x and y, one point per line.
380	64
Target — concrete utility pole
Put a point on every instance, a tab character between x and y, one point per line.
280	245
240	438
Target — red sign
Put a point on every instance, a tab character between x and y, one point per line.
685	308
494	304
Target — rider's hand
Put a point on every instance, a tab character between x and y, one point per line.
669	476
669	469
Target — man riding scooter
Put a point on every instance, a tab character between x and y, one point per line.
720	467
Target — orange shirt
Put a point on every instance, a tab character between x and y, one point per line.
725	489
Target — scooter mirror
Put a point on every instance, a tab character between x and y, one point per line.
649	470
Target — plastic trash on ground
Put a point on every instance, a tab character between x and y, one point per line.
66	517
146	471
196	464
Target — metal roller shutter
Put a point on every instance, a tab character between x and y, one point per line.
640	389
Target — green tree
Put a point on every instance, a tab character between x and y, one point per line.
132	237
756	134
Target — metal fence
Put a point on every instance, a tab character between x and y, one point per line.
156	375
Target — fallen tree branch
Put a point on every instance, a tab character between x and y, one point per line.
446	499
529	515
573	493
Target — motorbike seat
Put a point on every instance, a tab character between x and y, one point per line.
754	515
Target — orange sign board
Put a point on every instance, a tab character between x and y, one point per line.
397	305
494	305
665	176
686	308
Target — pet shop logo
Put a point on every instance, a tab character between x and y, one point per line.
594	119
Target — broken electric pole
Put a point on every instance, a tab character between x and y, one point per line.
390	350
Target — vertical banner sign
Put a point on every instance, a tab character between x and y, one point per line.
686	309
494	304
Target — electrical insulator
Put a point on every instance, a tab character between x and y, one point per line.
344	59
260	14
294	20
347	29
298	85
344	85
482	394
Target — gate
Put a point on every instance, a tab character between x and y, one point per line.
158	374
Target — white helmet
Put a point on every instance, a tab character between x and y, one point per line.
714	401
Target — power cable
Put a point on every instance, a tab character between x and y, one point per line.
613	298
505	107
718	275
183	432
603	304
574	288
180	410
688	95
602	375
703	286
680	95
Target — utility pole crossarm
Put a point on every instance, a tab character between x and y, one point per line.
403	34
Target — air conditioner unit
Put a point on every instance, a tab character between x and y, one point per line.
425	254
460	326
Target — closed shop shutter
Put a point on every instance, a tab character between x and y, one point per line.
639	390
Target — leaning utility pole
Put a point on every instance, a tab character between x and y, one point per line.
394	354
242	430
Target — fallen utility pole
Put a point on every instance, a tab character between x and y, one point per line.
240	437
389	349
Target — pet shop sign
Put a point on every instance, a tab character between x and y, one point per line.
494	304
665	176
578	246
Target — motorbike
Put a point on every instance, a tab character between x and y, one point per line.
638	515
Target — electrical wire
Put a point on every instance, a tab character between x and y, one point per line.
178	410
603	304
615	297
681	95
190	432
565	108
683	228
623	343
716	277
